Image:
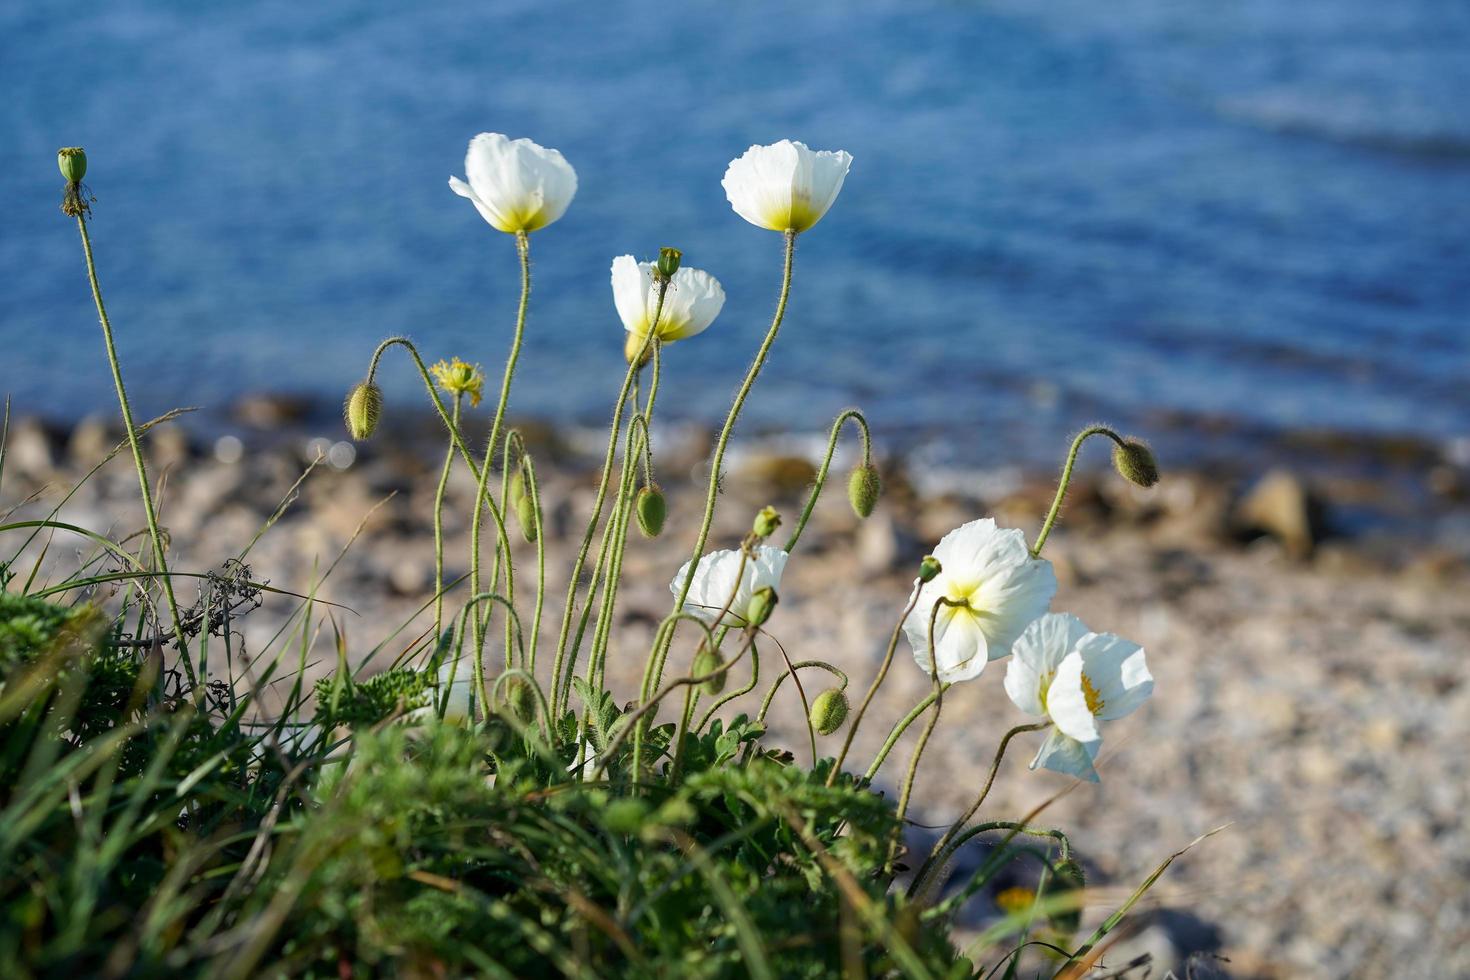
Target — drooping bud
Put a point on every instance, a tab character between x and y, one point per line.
1135	462
829	711
929	568
518	699
766	522
668	262
73	163
651	510
760	607
363	408
522	504
1069	878
864	488
707	661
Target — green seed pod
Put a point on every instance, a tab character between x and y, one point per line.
363	408
864	488
1135	462
668	262
651	509
708	661
929	568
829	711
760	606
73	163
766	522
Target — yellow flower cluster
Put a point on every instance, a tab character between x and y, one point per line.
460	378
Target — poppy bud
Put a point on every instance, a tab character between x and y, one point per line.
522	504
928	568
707	661
518	699
362	410
829	711
759	609
766	522
864	488
1135	462
651	509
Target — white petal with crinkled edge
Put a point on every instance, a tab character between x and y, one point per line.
1037	653
516	185
693	300
1066	755
715	582
785	186
1118	671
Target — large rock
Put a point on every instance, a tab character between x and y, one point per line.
1284	507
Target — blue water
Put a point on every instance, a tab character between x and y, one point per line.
1256	210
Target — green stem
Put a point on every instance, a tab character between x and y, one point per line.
776	686
908	780
558	686
1066	479
857	719
523	252
937	855
439	527
821	480
149	512
744	392
898	731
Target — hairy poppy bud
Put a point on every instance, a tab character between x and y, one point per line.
518	699
1069	877
708	661
829	711
766	522
522	504
668	262
864	488
364	407
759	609
651	509
73	163
1135	462
928	568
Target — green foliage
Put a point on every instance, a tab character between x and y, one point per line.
340	700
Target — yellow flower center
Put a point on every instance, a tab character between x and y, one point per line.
1094	699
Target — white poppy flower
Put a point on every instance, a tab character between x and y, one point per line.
785	186
516	185
995	590
714	582
691	303
1075	677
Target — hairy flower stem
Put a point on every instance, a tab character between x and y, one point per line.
1066	480
558	698
913	770
634	448
476	470
937	856
439	525
523	251
159	556
857	719
811	501
724	439
513	441
899	729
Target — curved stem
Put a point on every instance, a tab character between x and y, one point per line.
937	855
439	526
913	770
873	688
776	685
1066	479
755	676
744	392
159	555
898	731
821	480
